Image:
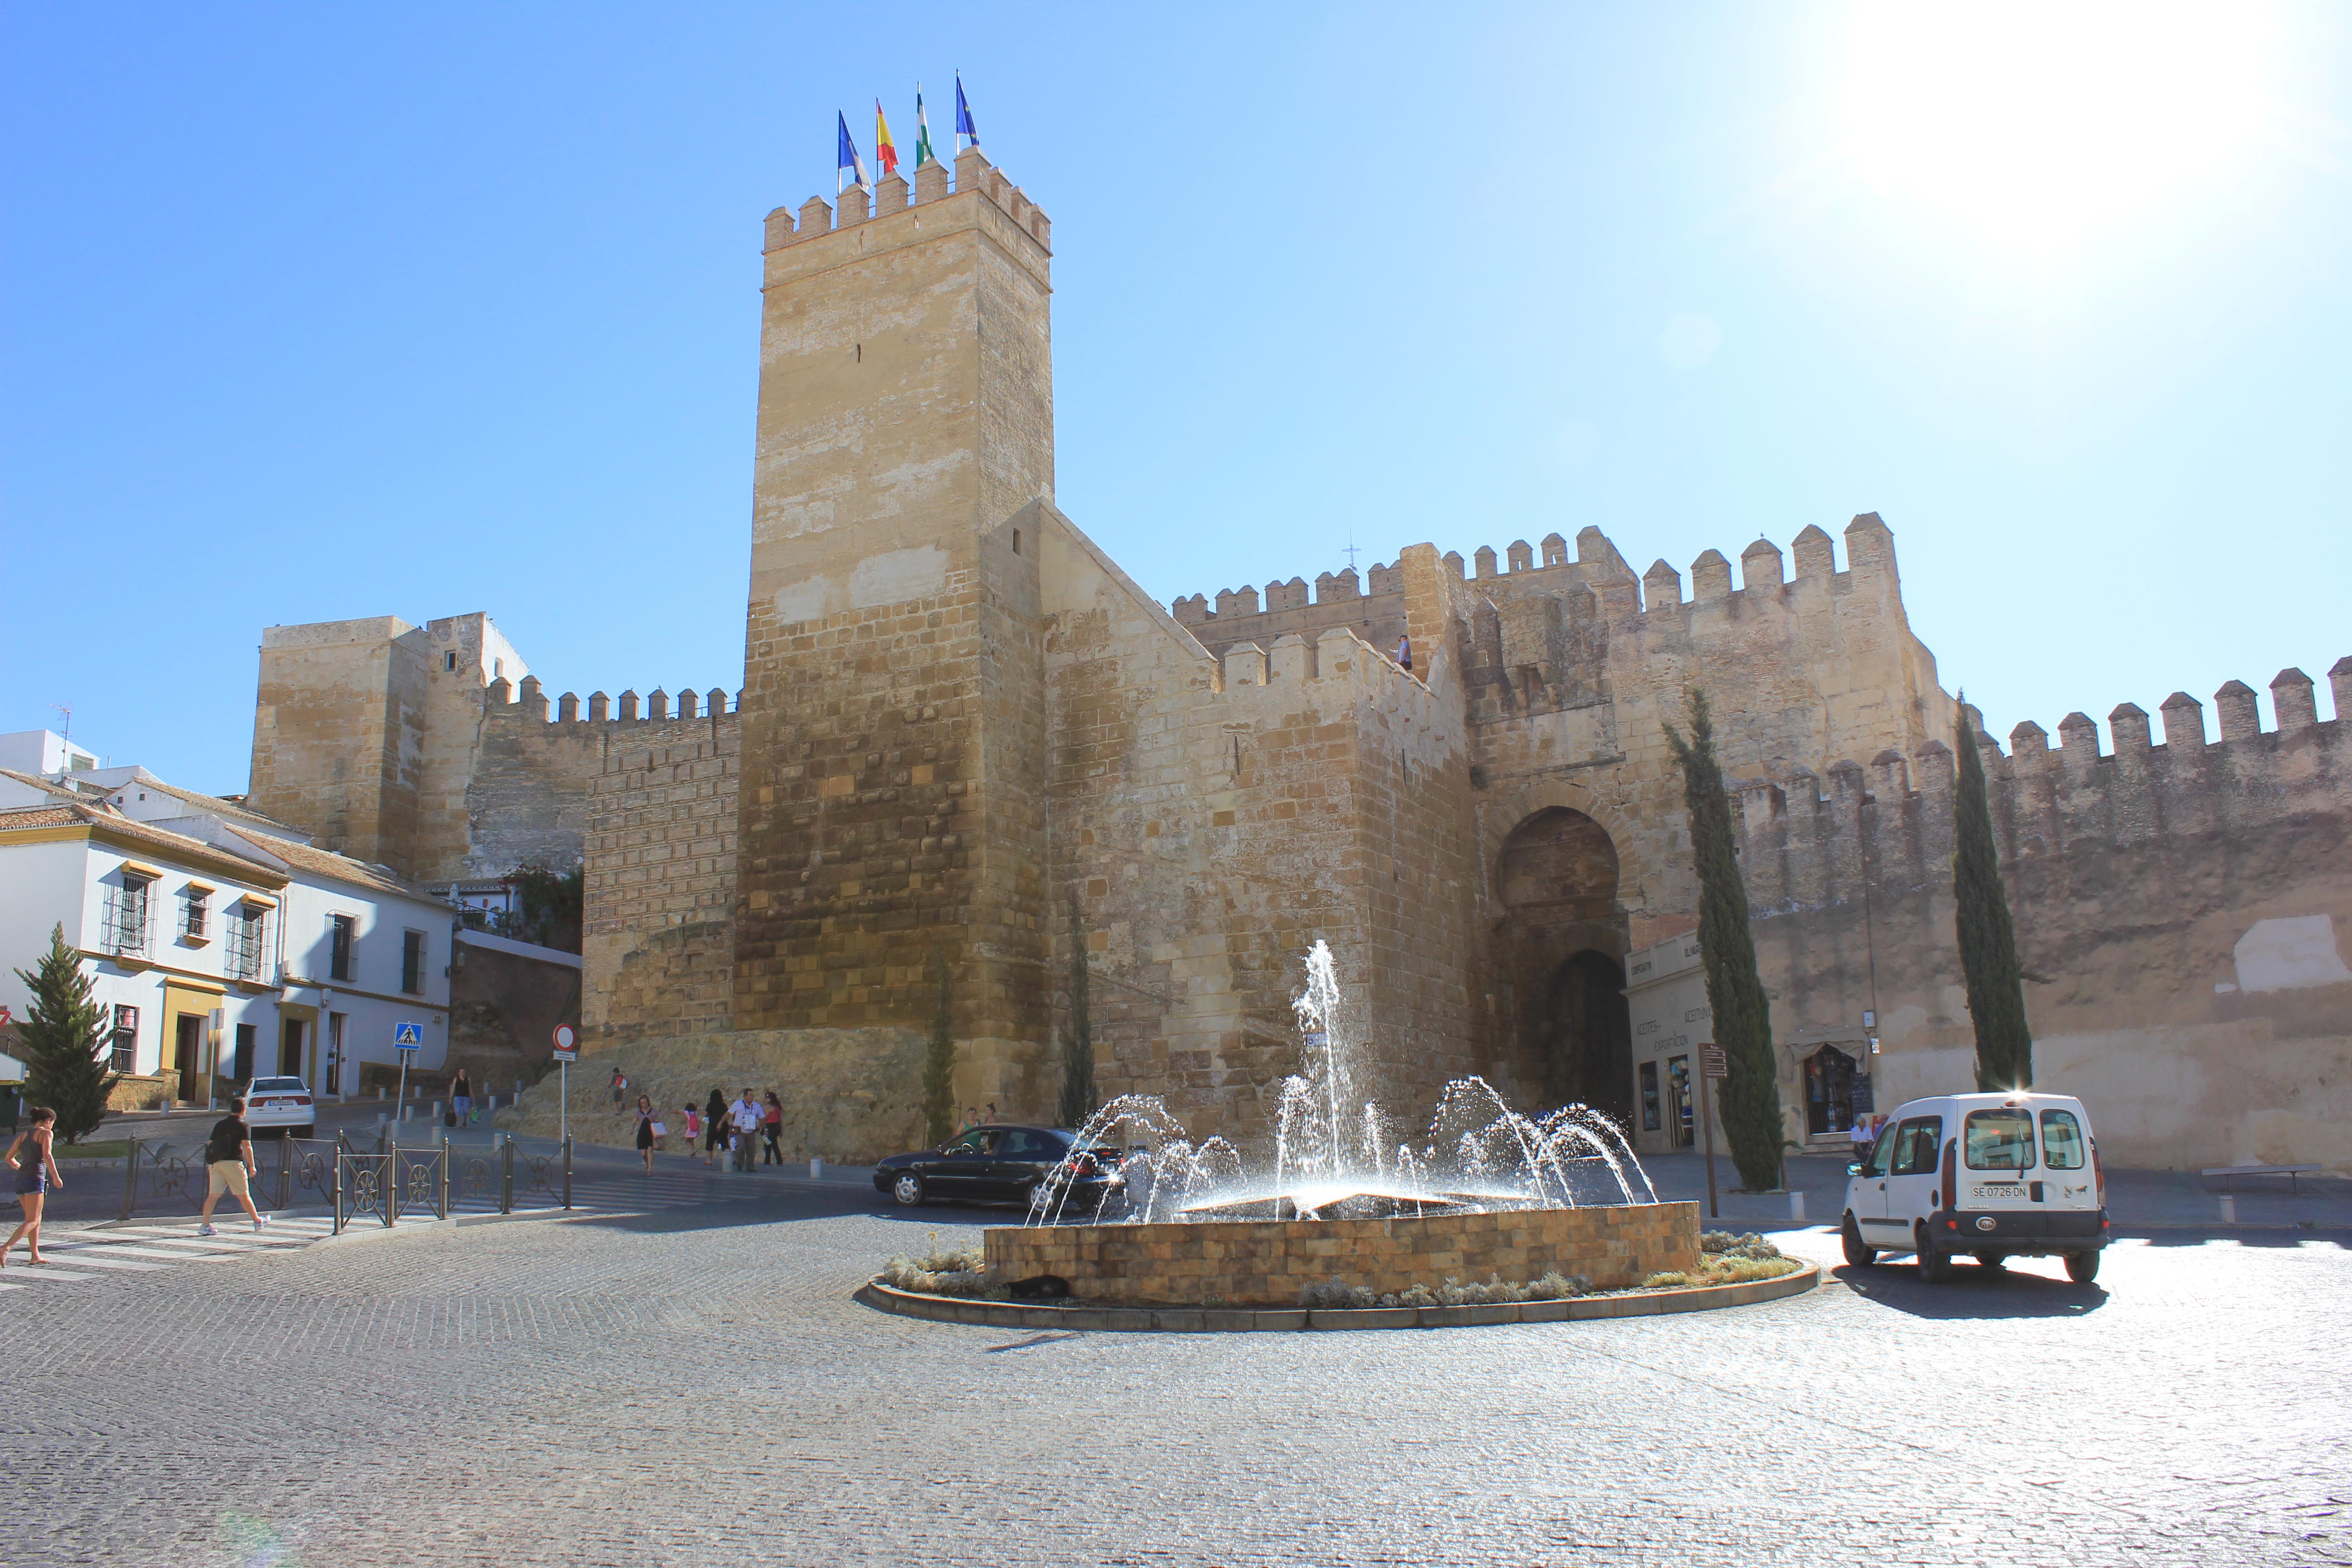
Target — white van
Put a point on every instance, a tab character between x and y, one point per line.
1994	1175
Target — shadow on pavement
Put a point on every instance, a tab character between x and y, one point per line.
1972	1292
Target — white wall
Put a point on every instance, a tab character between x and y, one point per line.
371	1000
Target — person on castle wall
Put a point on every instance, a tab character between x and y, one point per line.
645	1133
1404	653
771	1129
714	1127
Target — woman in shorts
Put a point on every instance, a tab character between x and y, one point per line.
36	1177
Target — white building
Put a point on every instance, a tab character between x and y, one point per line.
221	943
43	752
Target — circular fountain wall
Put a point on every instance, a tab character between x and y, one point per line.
1487	1192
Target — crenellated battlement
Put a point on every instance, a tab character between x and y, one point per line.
528	702
1808	842
892	195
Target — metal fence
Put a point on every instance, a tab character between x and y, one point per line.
370	1178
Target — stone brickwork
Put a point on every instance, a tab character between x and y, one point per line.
660	892
960	720
1269	1262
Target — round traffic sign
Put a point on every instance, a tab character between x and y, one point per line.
564	1036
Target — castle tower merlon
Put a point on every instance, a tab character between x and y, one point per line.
931	183
851	207
1710	577
1760	566
2241	719
2127	722
1816	553
1555	549
567	709
2291	697
2184	725
2028	748
1522	557
600	708
2078	741
1869	546
1662	588
889	195
2340	683
1484	557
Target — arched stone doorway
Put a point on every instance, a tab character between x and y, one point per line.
1563	943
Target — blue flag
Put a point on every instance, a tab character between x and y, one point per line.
964	127
851	167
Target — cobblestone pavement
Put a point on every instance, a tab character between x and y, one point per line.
694	1386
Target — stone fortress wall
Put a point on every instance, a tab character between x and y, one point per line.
960	721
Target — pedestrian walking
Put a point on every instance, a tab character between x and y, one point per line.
36	1177
661	1134
771	1128
693	1122
747	1117
645	1133
714	1127
461	1098
228	1164
620	1088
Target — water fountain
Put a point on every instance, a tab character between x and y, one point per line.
1485	1188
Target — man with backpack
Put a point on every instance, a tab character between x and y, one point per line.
228	1162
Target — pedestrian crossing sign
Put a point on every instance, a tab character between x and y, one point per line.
408	1036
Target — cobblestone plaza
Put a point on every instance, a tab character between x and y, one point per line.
691	1384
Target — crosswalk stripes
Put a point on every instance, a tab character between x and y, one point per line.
115	1250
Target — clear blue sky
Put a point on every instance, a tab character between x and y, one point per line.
310	313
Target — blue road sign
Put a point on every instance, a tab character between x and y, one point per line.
408	1036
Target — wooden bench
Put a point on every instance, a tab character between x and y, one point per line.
2290	1172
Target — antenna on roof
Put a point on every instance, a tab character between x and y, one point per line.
66	765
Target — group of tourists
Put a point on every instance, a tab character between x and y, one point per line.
748	1128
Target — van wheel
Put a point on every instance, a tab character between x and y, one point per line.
1935	1268
1992	1260
1857	1254
2082	1267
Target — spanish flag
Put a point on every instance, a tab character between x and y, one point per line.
885	149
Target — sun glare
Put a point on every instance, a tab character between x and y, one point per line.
2032	127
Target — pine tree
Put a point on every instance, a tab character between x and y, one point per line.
64	1039
1988	940
1079	1041
1734	992
938	1058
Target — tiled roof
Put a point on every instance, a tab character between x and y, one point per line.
326	863
38	816
48	786
212	804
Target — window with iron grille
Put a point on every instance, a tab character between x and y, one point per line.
123	1042
125	914
245	931
412	961
193	908
339	930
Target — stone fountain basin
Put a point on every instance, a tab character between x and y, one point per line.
1269	1262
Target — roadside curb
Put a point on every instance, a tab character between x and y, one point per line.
1278	1319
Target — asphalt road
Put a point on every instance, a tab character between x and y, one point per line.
691	1384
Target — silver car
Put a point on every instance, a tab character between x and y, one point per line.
280	1105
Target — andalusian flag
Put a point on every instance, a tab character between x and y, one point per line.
852	167
885	149
923	153
964	127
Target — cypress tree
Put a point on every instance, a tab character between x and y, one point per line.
1734	992
1079	1041
1988	940
939	1057
64	1039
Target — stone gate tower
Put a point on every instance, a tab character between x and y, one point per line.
892	802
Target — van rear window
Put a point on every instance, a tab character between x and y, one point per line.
1998	1140
2062	1141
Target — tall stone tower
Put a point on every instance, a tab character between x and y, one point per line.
893	709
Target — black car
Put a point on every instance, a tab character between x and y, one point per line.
1002	1164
